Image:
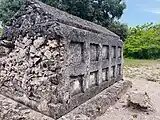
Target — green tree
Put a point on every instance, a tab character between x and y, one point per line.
143	42
8	8
120	29
50	2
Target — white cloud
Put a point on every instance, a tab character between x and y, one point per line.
150	7
153	10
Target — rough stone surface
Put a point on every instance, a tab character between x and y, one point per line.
140	100
56	61
100	103
11	110
71	20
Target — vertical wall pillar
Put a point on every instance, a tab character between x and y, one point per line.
122	61
87	65
100	64
116	65
110	62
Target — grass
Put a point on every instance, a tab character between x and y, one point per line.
137	62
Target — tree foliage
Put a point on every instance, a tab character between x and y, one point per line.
143	42
102	12
120	29
8	8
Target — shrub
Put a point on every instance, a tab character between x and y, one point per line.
143	42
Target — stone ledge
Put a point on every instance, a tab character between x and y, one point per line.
97	105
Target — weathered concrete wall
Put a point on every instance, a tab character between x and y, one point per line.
57	62
98	105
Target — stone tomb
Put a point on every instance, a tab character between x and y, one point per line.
57	61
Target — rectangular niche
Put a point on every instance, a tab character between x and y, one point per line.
105	52
76	52
105	72
76	84
113	52
94	52
113	71
119	69
119	52
93	79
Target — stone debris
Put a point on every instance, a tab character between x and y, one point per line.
139	100
39	42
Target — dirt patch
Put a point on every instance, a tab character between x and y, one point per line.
149	72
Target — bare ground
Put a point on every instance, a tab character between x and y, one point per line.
144	78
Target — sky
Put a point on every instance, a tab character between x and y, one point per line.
139	12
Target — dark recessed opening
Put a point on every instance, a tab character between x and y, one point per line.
94	53
105	72
105	52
